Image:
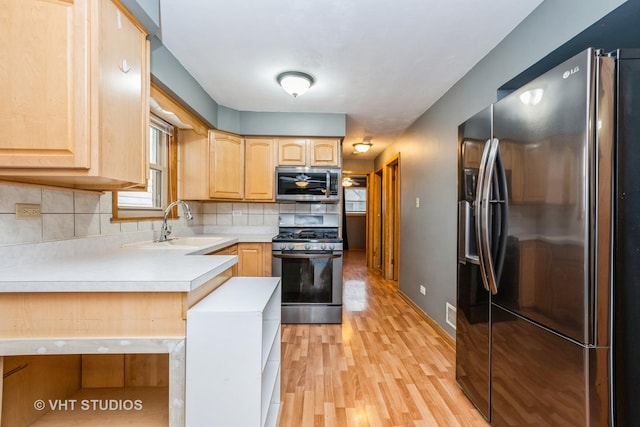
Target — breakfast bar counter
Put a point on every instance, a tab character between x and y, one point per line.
112	320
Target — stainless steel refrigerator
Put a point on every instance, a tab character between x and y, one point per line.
548	236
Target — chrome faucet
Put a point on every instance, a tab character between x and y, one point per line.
165	231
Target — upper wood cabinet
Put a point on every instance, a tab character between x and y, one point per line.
324	152
226	174
229	167
259	169
193	165
225	166
309	152
292	152
74	82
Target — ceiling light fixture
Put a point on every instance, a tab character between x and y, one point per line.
362	147
347	181
295	82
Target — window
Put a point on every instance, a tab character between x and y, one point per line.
151	202
355	200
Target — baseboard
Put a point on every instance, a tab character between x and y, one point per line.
448	339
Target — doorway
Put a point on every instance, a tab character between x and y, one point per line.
384	225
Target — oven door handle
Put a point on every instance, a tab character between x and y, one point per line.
299	256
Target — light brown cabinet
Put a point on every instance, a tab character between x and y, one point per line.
229	167
193	165
309	152
292	152
226	174
254	259
226	167
259	169
75	95
324	152
229	250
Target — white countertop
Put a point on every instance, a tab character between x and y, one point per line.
127	269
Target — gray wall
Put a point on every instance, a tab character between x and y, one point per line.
170	75
357	231
428	149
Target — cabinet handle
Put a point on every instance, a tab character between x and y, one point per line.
125	66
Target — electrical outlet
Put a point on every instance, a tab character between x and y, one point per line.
28	211
423	290
417	202
236	213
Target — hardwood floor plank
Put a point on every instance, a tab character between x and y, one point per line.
385	366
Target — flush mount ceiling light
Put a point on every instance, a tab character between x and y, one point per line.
362	147
295	82
347	181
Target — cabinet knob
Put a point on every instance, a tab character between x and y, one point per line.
125	66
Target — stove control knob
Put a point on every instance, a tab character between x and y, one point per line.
323	246
307	247
331	247
290	246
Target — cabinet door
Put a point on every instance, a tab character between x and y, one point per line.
292	152
123	97
44	50
193	166
259	169
250	259
324	152
230	250
226	177
266	259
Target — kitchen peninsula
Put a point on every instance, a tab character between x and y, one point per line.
108	326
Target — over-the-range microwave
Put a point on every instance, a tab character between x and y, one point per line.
308	184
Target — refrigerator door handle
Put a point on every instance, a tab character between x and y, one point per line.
480	237
486	264
503	203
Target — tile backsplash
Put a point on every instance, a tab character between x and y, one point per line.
68	215
258	214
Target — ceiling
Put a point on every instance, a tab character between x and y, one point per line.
382	63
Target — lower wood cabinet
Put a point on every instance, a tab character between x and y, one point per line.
229	250
254	259
233	355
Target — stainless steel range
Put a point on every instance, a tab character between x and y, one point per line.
309	261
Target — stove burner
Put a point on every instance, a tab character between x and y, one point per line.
307	234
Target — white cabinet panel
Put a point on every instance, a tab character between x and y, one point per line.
233	355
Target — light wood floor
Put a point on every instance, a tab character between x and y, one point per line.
384	366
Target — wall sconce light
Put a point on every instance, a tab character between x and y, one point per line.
294	82
362	147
